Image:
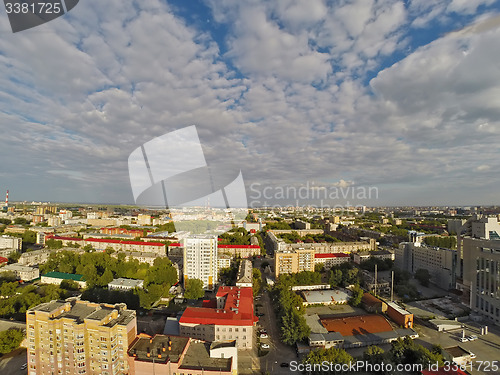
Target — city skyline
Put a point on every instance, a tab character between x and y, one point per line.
401	96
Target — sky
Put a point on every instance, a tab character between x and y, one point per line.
401	98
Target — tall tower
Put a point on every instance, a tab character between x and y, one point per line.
6	207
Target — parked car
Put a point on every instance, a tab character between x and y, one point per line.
23	367
264	336
472	337
463	339
265	346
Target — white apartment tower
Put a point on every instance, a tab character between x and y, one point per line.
200	259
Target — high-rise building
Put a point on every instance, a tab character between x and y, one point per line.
200	259
79	337
7	242
481	276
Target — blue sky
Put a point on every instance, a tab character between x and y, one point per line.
397	95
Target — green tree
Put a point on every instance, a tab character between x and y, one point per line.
256	281
374	355
14	256
10	340
193	289
335	277
21	221
106	277
357	295
332	355
69	285
54	244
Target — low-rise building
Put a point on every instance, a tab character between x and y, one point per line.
125	284
232	319
372	304
399	315
244	277
325	297
378	254
56	278
24	273
164	354
35	257
458	355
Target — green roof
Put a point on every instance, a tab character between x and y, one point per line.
64	276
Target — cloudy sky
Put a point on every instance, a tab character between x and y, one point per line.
403	96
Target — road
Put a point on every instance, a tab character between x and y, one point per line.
10	364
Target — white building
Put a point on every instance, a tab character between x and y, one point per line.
34	258
200	259
125	284
24	273
244	278
7	242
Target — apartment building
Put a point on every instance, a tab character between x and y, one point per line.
8	242
79	337
35	257
293	261
232	319
117	245
328	260
200	259
24	273
440	262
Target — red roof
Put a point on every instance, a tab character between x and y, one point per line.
442	371
237	311
3	260
331	255
239	246
175	244
65	238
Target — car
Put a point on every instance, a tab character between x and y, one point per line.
472	355
472	337
265	346
263	331
284	364
260	314
463	339
23	367
264	336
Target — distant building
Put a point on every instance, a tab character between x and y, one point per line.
57	278
458	355
299	224
200	259
79	337
378	254
164	354
440	262
242	251
372	304
143	219
232	319
331	259
244	277
125	284
337	296
24	273
224	261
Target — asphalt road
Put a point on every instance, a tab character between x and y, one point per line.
10	364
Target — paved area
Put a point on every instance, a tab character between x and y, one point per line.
10	364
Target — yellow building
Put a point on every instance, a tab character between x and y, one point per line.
79	337
293	261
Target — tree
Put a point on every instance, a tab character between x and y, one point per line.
256	281
106	277
10	340
21	221
357	295
69	285
54	244
193	289
14	256
332	355
423	276
374	354
335	277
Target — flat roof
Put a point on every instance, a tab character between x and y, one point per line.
398	308
331	255
198	357
325	295
457	351
125	282
158	345
64	276
356	325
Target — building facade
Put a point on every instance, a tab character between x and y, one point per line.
200	259
24	273
79	337
293	261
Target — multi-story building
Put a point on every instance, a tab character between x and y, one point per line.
79	337
200	259
24	273
232	319
117	245
482	276
35	257
378	254
331	259
243	251
7	242
164	354
293	261
440	262
143	219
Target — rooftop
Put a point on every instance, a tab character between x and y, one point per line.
126	282
442	371
457	351
356	325
325	296
64	276
398	308
331	255
162	347
238	309
370	299
198	357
